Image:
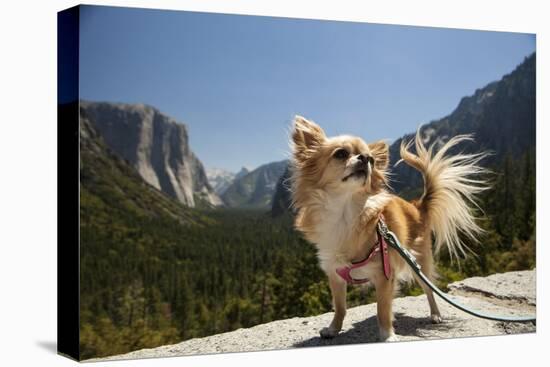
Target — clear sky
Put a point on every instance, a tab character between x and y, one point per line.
236	81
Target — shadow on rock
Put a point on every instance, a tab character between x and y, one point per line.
367	331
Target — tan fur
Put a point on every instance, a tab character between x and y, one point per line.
338	210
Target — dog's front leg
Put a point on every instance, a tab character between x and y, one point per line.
338	289
384	299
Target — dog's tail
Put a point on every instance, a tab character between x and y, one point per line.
451	184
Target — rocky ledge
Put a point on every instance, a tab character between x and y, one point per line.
510	293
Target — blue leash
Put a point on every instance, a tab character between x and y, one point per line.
392	240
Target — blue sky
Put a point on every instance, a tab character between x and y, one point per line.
236	81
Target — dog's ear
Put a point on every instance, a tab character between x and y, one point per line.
307	137
380	152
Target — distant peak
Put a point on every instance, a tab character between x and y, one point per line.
243	172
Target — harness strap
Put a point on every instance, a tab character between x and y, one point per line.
345	271
381	246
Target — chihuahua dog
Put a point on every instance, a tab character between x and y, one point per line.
339	192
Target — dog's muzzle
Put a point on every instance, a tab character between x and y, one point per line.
361	170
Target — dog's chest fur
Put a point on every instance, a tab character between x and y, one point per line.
340	234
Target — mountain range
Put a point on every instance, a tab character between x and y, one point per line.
221	179
256	188
158	148
501	117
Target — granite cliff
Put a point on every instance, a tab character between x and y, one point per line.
156	145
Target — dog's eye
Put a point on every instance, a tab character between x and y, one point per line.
341	154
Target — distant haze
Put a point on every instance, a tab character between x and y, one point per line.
236	81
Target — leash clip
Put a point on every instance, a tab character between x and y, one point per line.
383	228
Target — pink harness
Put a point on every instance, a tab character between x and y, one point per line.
380	246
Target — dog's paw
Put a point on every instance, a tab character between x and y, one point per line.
328	333
392	338
388	336
436	319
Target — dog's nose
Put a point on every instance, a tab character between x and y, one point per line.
365	159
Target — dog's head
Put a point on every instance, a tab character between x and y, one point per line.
336	164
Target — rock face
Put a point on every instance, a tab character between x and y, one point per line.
108	185
256	188
282	200
156	145
505	294
511	286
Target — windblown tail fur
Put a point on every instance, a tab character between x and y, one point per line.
451	184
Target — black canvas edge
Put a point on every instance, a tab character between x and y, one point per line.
68	184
